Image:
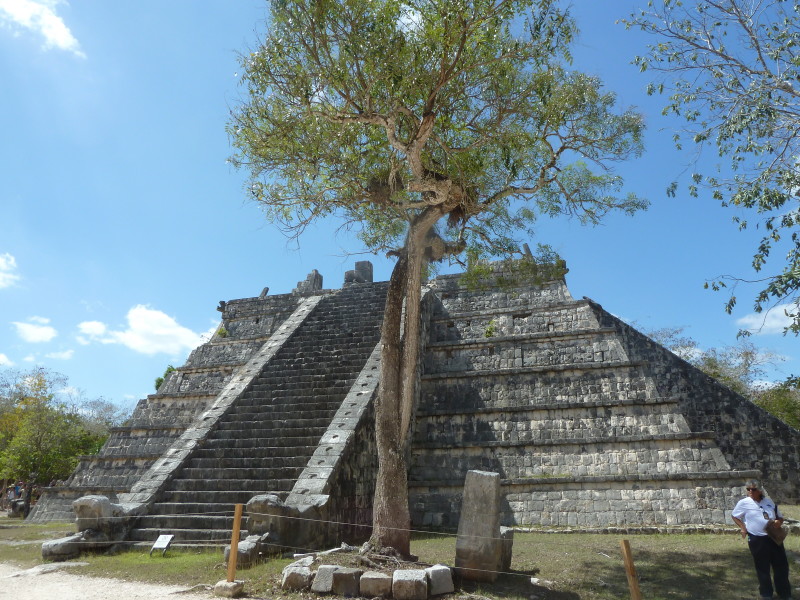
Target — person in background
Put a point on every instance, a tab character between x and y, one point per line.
752	514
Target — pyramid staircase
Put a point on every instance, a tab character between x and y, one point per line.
266	438
160	419
542	389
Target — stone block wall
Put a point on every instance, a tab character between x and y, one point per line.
749	437
540	388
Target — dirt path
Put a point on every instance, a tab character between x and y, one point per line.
55	582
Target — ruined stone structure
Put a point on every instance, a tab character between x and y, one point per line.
587	421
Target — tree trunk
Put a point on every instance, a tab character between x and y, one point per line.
390	516
391	522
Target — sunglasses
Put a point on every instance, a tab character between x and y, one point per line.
751	489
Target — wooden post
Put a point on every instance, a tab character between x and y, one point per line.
630	570
237	520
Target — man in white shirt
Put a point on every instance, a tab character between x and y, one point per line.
752	514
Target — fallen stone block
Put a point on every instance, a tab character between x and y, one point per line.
410	584
440	580
296	578
345	582
247	551
229	589
323	580
375	584
62	548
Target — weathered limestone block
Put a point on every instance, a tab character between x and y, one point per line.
440	580
478	546
345	582
296	578
100	523
323	580
292	525
410	584
229	589
63	548
247	551
375	584
100	514
312	283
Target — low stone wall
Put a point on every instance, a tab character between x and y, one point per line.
502	321
545	424
578	502
446	393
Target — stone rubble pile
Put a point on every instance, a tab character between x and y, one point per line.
402	584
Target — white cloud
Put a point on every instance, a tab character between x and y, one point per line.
36	331
773	321
5	361
8	268
90	330
39	16
65	355
149	331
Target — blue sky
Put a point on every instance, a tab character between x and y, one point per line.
122	226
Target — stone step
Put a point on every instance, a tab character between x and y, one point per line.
230	462
256	473
187	521
309	410
265	431
255	425
185	536
209	508
264	449
219	445
230	485
212	497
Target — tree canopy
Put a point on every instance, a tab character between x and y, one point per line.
43	431
731	70
375	111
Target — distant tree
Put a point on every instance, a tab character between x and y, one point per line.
43	430
436	129
160	380
783	401
731	69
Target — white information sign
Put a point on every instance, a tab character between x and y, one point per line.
162	543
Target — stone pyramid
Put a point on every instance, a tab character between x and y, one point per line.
589	422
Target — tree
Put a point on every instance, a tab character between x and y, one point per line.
43	429
160	380
731	69
435	129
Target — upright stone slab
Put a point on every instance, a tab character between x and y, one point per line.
478	546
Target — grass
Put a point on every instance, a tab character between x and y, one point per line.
567	566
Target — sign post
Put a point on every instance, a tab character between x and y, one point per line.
237	520
630	570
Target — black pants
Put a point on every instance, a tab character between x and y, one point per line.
767	554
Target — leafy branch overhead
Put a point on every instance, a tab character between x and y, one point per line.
376	111
731	70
